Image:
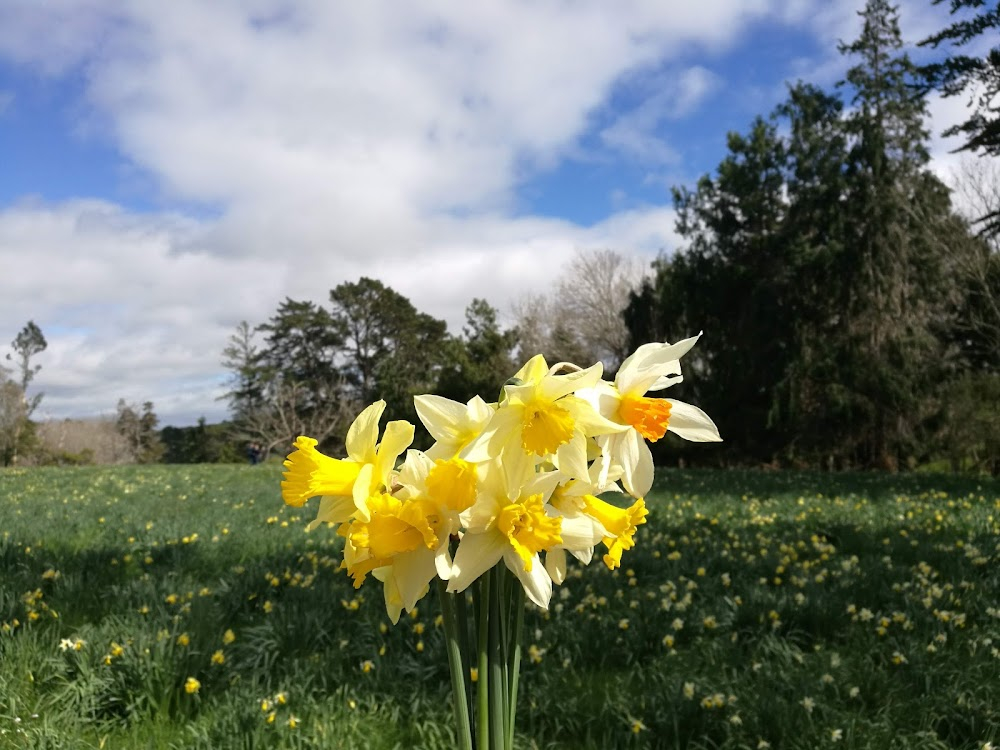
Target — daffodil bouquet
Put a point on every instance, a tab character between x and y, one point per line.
494	506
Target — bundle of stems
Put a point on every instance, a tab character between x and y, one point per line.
489	642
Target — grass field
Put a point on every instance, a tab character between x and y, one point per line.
186	607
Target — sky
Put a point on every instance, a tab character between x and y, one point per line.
170	169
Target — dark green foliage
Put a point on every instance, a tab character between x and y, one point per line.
480	359
826	267
391	350
316	368
138	428
979	76
201	444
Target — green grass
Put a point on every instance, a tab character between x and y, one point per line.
801	610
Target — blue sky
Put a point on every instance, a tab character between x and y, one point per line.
159	183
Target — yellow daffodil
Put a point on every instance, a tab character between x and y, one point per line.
541	419
428	503
346	484
509	522
588	520
581	530
394	527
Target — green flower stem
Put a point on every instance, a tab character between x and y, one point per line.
462	617
482	649
456	665
514	657
497	683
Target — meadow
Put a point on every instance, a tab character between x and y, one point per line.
186	607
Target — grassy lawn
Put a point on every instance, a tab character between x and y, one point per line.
783	610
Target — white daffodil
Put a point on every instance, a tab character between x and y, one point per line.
651	367
346	484
509	523
452	425
541	419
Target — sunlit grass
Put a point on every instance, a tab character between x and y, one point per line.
187	607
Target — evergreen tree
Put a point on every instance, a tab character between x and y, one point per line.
138	427
16	427
729	280
893	268
392	351
478	360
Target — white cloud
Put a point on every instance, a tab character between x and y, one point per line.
136	307
667	95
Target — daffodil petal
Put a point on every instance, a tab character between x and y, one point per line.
536	582
518	467
649	363
396	439
443	562
362	491
571	457
499	430
476	554
442	417
691	423
333	509
363	433
533	370
413	572
637	464
580	532
555	565
557	386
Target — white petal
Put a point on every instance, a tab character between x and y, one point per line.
581	532
691	423
571	457
642	475
476	554
533	370
649	363
363	490
589	421
637	465
498	431
628	456
442	417
536	582
442	562
518	467
393	601
555	565
479	412
413	472
557	386
666	381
